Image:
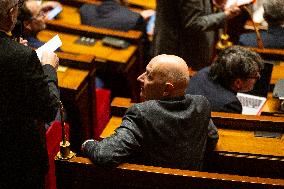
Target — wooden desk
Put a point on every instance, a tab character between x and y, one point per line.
146	4
277	73
237	141
236	150
79	172
100	51
76	96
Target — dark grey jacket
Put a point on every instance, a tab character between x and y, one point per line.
170	133
186	28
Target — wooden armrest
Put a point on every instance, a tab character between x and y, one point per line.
91	31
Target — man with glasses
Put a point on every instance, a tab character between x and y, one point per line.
33	21
28	96
236	69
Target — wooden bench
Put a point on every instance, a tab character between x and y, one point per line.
79	172
238	146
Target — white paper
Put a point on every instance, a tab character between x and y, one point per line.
238	2
54	12
50	46
251	104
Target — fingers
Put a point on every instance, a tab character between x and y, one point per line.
50	58
23	41
232	11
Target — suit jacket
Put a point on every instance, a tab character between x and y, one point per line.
186	28
110	14
272	38
169	133
221	99
28	92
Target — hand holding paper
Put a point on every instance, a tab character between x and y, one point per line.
46	53
50	46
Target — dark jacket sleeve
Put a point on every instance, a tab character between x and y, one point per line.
42	94
195	18
116	148
233	107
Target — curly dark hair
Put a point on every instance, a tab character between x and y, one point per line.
274	11
235	62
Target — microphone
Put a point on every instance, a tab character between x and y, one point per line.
17	32
258	36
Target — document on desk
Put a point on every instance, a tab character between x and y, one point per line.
50	46
238	2
251	104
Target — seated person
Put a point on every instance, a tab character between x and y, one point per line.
111	14
169	129
33	20
274	36
236	69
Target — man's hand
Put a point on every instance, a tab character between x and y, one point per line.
232	11
23	41
50	58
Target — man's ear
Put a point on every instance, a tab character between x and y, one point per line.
168	89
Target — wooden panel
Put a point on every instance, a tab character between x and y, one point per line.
146	4
71	78
98	50
79	172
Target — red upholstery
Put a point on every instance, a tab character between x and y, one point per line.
102	110
53	138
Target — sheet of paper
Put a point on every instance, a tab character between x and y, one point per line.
238	2
54	12
50	46
251	104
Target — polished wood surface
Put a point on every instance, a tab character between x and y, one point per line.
71	78
277	73
79	172
146	4
98	50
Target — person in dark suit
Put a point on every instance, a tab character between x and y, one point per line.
274	36
187	28
33	20
111	14
29	96
236	69
169	129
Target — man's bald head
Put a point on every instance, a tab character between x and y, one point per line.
169	75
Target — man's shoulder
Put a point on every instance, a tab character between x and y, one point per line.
17	48
199	99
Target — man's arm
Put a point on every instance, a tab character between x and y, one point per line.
195	19
119	146
42	91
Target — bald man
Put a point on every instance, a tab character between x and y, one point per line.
169	129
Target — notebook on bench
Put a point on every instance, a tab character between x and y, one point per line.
253	101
